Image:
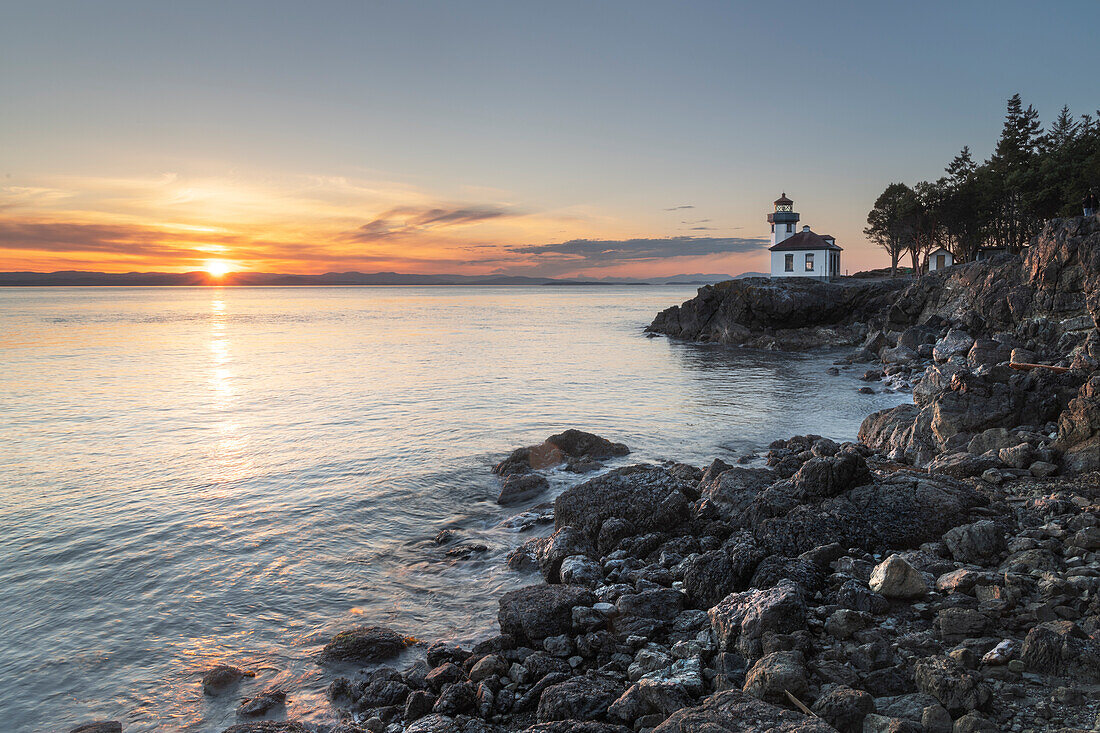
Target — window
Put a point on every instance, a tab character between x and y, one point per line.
809	262
788	263
790	228
773	228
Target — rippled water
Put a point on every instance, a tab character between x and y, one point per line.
194	476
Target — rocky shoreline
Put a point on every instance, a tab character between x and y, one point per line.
940	575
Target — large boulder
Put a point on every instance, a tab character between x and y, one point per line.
533	613
899	511
979	543
958	689
736	488
648	497
1062	648
777	674
364	645
844	708
578	698
520	487
733	711
741	619
830	475
955	343
896	578
711	576
571	445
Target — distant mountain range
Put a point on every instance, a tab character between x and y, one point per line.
200	277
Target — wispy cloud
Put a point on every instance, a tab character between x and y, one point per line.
603	251
410	220
677	208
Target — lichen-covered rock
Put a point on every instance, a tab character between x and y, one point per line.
741	619
895	578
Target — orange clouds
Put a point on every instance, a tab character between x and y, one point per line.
312	224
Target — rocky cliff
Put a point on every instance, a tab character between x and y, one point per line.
790	314
957	333
951	337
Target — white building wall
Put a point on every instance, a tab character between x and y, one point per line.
781	232
821	260
948	261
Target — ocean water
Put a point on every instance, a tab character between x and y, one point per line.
197	476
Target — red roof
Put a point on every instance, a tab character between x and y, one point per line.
806	240
783	200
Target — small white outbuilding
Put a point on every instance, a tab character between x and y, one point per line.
939	259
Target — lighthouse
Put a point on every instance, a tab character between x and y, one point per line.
800	253
783	219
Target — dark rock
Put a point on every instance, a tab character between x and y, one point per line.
776	674
519	487
659	603
648	497
552	551
262	703
445	674
741	619
574	726
732	711
711	576
1062	648
579	698
730	312
456	698
829	476
844	708
735	489
962	465
418	704
364	644
533	613
222	677
978	543
264	726
438	723
957	688
99	726
557	449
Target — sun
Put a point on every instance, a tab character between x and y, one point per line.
217	268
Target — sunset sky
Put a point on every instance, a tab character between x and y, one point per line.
596	138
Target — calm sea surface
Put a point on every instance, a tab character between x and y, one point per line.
196	476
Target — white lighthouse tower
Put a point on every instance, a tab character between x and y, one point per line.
783	219
800	254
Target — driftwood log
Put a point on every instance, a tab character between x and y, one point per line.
1024	367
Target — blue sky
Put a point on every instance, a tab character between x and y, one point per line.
285	125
